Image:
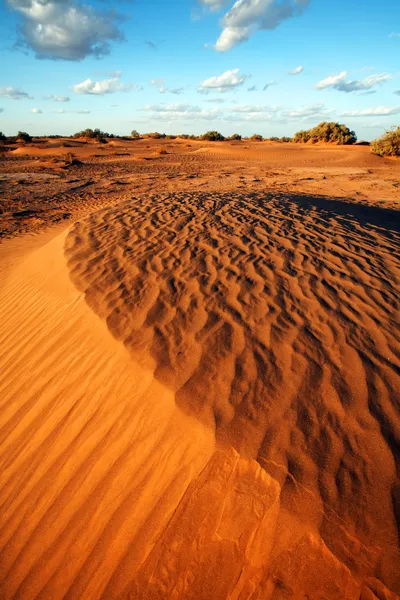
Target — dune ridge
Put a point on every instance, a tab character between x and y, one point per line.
273	320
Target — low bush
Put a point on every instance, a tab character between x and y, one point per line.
25	137
256	137
135	134
235	136
335	133
213	136
388	144
93	134
285	139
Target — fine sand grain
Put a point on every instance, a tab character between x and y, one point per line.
199	377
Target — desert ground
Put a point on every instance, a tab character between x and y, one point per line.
199	371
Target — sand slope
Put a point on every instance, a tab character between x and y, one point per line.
94	453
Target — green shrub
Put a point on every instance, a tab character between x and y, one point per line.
388	144
285	139
235	136
274	139
135	134
256	137
332	132
213	136
94	134
25	137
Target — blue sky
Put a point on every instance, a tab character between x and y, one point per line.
266	66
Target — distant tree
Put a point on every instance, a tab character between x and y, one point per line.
235	136
331	132
274	139
256	137
25	137
94	134
135	134
213	136
2	137
286	139
388	144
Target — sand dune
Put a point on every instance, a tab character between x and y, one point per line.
273	320
199	388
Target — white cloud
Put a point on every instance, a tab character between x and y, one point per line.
36	111
394	35
267	85
184	112
308	111
65	29
165	90
213	4
297	70
58	98
99	88
61	111
158	82
14	94
380	111
215	100
223	83
338	82
253	88
85	111
247	16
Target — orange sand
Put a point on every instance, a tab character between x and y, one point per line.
199	384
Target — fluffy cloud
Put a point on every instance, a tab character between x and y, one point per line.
14	94
380	111
247	16
183	112
213	4
100	88
338	82
36	111
58	98
297	70
65	29
308	111
223	83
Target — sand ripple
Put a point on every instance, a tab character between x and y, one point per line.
273	319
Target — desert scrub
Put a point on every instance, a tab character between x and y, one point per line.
213	136
388	144
334	133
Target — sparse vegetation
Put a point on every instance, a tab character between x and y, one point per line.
155	135
286	139
213	136
2	137
334	133
135	134
388	144
256	137
93	134
235	136
25	137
